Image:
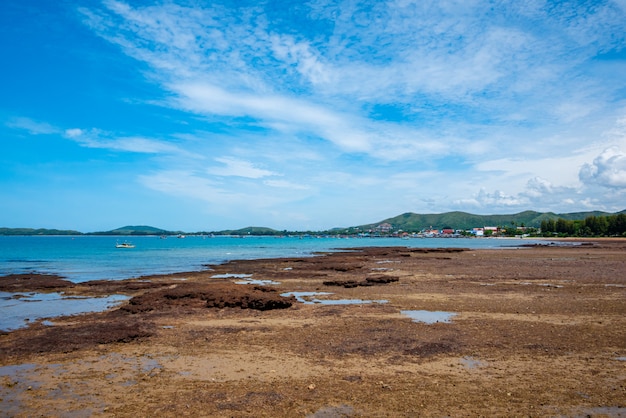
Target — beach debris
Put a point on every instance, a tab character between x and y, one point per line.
384	385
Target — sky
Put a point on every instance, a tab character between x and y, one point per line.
201	115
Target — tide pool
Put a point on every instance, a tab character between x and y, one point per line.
19	308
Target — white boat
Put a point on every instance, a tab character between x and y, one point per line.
124	245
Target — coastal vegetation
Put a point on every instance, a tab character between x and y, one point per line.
591	226
413	222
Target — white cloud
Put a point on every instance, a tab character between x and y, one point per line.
278	112
306	60
284	184
249	199
74	133
495	199
95	138
236	62
32	126
608	169
239	168
182	183
559	169
538	187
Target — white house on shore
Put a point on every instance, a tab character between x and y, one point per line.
485	230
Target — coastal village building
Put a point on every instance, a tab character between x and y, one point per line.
485	230
385	228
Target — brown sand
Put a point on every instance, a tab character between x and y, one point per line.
538	332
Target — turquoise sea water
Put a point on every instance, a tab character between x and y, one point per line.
82	258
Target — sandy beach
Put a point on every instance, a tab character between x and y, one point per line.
536	331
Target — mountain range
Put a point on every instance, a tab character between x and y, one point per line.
410	222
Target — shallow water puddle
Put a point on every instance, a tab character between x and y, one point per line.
429	317
247	279
604	411
231	276
257	282
20	308
66	387
310	298
23	382
471	362
15	381
333	411
549	285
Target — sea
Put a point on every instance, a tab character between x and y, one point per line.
89	257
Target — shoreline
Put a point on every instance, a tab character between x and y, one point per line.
536	331
97	258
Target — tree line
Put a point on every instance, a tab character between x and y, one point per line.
612	225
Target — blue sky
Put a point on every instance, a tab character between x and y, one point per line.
209	115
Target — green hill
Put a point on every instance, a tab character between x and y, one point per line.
39	231
250	230
135	230
409	222
413	222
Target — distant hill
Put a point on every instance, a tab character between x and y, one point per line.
135	230
250	230
462	220
39	231
409	222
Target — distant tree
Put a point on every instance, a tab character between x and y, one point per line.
616	224
548	226
598	225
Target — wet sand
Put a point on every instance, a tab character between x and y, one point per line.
535	331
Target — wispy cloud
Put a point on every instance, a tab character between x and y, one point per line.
239	168
32	126
284	184
95	138
440	57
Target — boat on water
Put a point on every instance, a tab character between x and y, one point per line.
124	245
